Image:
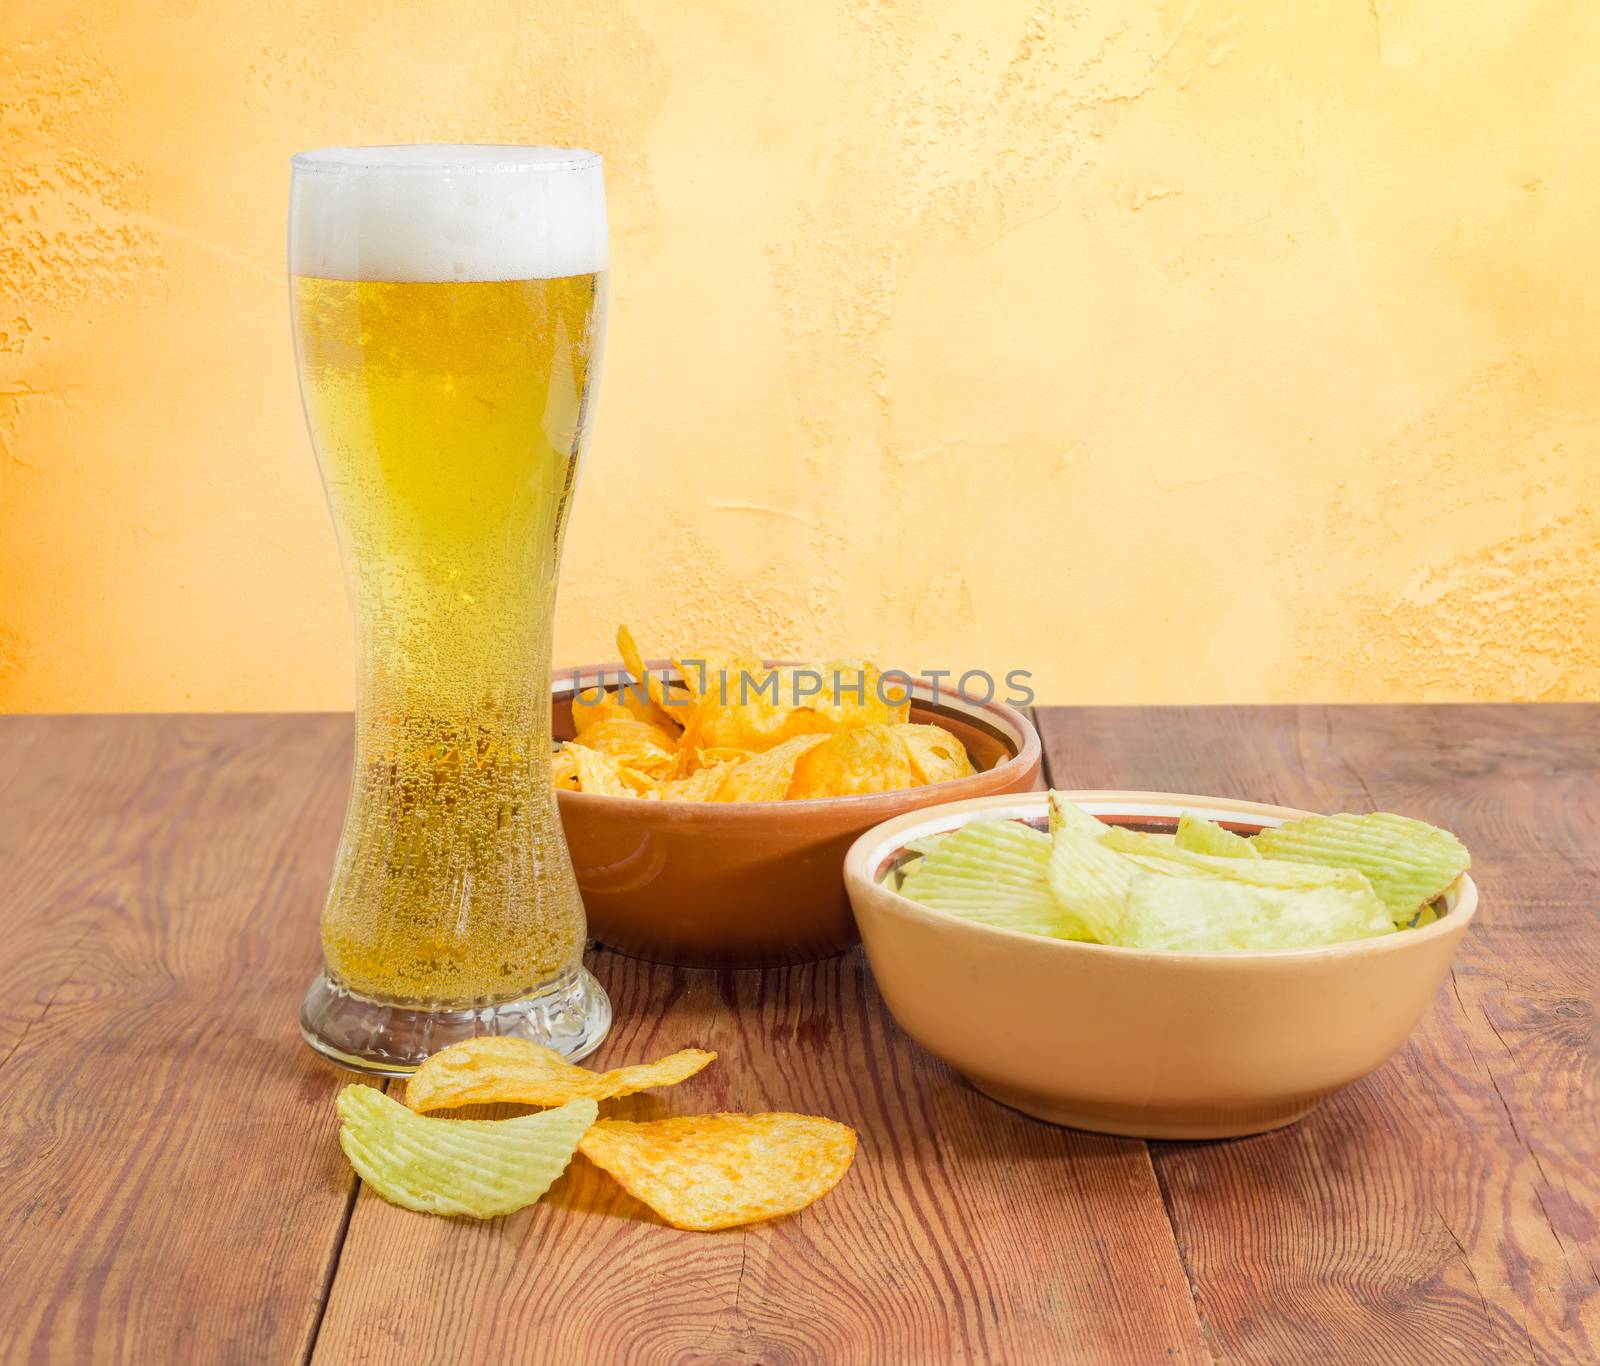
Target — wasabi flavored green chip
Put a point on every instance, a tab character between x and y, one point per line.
1408	862
1065	815
1161	854
1203	915
1090	882
993	871
1200	836
1322	880
480	1168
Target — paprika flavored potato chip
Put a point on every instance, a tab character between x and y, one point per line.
724	754
593	705
870	759
855	693
730	712
705	1172
660	702
936	755
634	744
564	769
491	1070
601	773
766	777
700	669
746	708
479	1168
699	786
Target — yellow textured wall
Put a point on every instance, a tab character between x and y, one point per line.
1188	352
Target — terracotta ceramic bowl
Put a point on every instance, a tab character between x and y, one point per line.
754	884
1126	1041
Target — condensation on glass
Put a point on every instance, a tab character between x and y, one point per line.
449	313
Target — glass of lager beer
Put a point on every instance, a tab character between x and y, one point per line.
449	309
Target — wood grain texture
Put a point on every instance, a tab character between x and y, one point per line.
168	1188
172	1188
1446	1208
962	1232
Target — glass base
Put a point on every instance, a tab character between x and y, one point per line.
570	1014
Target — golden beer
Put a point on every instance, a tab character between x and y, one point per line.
449	416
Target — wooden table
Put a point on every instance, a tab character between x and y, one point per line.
171	1188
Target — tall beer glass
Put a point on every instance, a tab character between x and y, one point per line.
449	309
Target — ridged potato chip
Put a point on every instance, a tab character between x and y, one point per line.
868	759
1161	854
1205	915
1065	815
1408	862
1090	882
1093	880
936	755
993	871
1200	836
479	1168
717	1171
492	1070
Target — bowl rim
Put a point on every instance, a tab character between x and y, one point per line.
565	681
865	859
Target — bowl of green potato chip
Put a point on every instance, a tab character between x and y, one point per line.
1154	964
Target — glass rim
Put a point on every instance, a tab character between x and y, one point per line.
444	158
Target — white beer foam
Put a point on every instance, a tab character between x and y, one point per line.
440	212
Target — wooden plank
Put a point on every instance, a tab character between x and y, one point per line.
1449	1206
50	768
964	1232
169	1188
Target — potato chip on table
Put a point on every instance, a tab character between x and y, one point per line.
492	1070
717	1171
479	1168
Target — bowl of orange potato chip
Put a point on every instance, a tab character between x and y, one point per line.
708	798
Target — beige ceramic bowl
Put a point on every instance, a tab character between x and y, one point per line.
749	884
1125	1041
